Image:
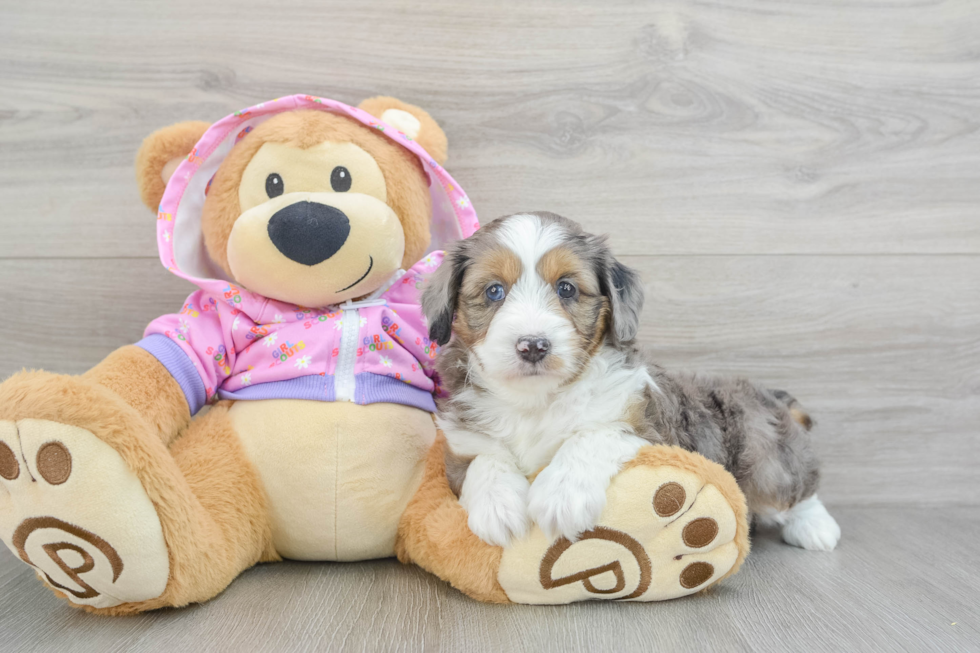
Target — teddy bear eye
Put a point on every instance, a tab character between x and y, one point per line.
273	185
340	179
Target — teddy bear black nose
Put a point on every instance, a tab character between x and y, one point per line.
308	232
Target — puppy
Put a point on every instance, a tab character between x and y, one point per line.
538	323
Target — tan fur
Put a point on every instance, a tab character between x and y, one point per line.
433	534
205	492
713	474
801	417
145	384
562	263
431	137
160	147
475	310
408	191
500	264
635	416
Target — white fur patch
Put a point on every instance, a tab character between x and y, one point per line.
568	496
808	525
494	495
529	238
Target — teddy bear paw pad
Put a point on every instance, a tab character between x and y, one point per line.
665	533
71	508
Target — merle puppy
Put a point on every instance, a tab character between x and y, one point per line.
538	321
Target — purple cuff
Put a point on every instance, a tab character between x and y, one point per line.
180	367
369	389
314	387
377	389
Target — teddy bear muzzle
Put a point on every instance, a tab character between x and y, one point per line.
309	232
316	248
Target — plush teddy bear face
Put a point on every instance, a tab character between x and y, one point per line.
312	219
314	208
309	214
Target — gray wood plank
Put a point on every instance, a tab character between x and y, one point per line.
899	581
797	181
724	127
884	351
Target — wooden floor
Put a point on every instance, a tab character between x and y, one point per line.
903	579
798	183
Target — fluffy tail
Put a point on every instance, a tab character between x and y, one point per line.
795	410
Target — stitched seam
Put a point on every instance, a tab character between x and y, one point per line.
23	456
689	507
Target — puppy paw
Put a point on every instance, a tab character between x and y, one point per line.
809	526
564	502
497	518
495	498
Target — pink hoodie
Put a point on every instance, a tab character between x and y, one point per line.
230	343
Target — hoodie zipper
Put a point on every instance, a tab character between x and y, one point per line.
347	359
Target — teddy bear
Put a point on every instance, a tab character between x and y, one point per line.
286	410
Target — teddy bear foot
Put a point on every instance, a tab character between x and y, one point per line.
71	508
673	525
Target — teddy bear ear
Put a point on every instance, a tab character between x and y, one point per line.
416	123
161	153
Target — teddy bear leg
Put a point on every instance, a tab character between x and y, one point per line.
108	518
214	518
215	521
227	529
674	524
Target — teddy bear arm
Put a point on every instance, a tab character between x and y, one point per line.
142	382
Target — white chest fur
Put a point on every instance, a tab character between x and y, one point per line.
531	427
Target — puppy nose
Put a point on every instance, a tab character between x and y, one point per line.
533	348
309	232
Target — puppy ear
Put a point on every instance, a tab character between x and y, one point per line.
441	294
624	289
414	122
161	153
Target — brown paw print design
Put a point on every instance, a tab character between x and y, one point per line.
666	532
73	510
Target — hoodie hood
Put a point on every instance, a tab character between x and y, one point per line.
229	343
179	235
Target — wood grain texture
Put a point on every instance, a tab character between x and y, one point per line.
899	580
725	127
884	351
798	183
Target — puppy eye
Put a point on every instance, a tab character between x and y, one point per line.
495	292
566	289
273	185
340	179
